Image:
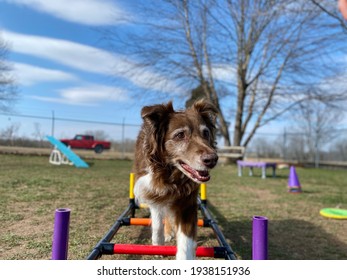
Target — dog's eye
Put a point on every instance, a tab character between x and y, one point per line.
180	135
206	133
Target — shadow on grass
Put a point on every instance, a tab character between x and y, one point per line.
278	177
90	163
290	239
144	234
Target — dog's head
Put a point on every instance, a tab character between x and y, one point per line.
183	139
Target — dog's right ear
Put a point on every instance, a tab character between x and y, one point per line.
155	119
155	114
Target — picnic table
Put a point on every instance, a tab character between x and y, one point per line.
256	164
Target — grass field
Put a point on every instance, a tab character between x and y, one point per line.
31	189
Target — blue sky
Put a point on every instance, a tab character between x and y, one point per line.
60	65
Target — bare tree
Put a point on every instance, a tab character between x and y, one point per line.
339	150
329	7
98	134
38	133
265	148
254	60
318	123
10	132
297	147
8	92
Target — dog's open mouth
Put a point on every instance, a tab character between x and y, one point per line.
198	175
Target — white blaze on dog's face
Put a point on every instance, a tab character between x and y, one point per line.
189	142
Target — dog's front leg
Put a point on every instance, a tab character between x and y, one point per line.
186	245
157	225
186	221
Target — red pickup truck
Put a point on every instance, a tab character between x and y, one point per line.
87	142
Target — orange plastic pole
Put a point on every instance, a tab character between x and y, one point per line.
140	221
200	222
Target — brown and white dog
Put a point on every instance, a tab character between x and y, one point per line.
174	152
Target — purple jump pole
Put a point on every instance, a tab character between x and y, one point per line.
259	241
61	234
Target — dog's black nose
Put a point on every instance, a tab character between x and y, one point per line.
209	160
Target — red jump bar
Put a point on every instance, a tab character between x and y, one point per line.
131	249
148	222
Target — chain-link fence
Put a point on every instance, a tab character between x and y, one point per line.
30	131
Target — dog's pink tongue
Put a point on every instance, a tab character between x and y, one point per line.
200	175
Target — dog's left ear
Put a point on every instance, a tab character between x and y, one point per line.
207	110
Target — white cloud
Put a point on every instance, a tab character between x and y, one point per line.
89	59
93	93
65	52
88	12
88	95
224	73
336	83
29	75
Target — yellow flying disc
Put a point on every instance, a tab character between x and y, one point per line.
334	213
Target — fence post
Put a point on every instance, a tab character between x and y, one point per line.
53	123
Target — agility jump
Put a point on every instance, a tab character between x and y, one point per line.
127	218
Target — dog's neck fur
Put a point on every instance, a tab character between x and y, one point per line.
172	182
